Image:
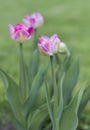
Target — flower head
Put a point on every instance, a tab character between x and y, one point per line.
35	20
20	33
49	46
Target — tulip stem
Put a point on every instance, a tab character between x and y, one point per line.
35	39
22	75
52	59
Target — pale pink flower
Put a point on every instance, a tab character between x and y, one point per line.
20	33
49	46
35	20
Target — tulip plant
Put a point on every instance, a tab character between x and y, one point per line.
64	78
45	97
21	96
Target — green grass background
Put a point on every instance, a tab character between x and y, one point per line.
70	19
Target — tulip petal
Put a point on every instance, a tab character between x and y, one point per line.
49	46
20	33
35	20
11	29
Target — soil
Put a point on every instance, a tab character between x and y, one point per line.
7	126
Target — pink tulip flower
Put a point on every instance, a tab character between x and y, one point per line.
20	33
49	46
35	20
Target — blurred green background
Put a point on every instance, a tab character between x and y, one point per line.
70	19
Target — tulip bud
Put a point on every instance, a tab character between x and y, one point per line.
63	48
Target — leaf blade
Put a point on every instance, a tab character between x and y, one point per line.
71	112
38	81
12	96
70	80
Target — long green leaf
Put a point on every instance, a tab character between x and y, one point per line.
27	83
37	83
34	65
84	101
12	96
41	98
69	120
49	106
70	80
35	120
39	119
61	101
63	67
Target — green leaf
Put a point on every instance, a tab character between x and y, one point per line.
34	65
70	80
61	101
85	99
27	83
49	105
37	83
38	122
40	98
36	119
12	96
62	68
18	125
69	120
